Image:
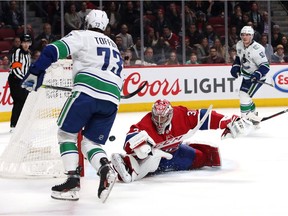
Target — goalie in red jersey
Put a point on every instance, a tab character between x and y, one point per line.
155	144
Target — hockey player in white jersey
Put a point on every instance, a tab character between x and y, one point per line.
93	104
252	64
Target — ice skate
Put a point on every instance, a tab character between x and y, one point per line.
107	179
69	190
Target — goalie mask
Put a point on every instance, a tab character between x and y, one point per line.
162	113
96	19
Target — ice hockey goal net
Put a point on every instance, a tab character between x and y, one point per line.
33	150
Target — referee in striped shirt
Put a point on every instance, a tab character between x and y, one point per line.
20	63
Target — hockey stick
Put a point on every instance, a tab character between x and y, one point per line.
122	96
190	133
274	115
269	84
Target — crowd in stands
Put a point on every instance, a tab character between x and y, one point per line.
204	25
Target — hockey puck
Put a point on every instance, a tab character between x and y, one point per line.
112	138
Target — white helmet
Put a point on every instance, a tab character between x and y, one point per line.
247	30
96	19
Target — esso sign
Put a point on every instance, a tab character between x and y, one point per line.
281	80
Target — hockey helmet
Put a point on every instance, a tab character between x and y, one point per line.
247	30
96	19
26	38
162	113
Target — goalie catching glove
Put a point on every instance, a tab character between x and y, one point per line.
141	144
237	127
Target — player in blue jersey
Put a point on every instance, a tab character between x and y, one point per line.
93	104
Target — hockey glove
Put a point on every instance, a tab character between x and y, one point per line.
255	77
235	71
141	144
31	81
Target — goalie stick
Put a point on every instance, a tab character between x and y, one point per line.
122	96
190	133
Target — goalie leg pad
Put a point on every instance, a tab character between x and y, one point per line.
122	167
206	155
182	159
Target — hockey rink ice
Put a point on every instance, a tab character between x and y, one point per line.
253	180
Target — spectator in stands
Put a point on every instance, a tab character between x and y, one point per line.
160	23
15	45
203	50
127	57
268	47
256	17
194	36
278	56
173	16
213	57
190	16
136	49
188	50
172	60
245	20
233	36
148	58
276	36
54	15
119	44
114	17
13	17
265	24
199	6
200	21
126	37
170	37
284	42
5	63
210	34
192	59
236	18
45	37
161	50
232	55
150	39
108	32
83	13
257	35
130	16
29	30
219	47
72	19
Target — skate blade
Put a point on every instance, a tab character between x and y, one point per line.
69	195
105	193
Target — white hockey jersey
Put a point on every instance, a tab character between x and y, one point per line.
251	58
97	63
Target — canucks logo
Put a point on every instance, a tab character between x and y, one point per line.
281	80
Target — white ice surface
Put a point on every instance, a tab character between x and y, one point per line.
253	180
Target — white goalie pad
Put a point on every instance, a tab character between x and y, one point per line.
240	127
138	168
139	139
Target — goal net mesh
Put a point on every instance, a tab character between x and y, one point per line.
33	149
